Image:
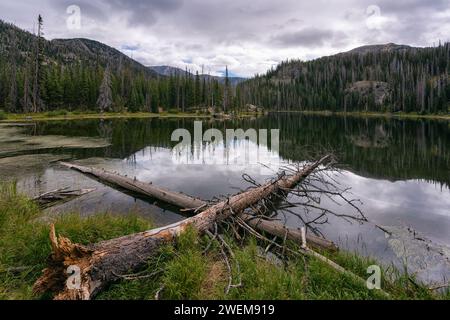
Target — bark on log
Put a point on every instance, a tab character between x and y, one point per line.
59	196
281	231
102	263
149	190
183	201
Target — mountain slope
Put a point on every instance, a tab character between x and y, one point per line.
376	78
65	51
38	75
390	47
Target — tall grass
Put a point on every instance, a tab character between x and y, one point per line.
24	239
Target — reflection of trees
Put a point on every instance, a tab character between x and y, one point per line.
397	149
388	148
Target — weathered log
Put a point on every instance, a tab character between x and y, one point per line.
59	196
280	230
184	201
99	264
149	190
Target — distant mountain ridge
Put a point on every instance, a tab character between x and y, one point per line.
389	47
67	51
171	71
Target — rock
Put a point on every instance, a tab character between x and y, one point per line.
381	90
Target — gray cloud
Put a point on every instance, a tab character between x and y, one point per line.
308	37
250	36
144	12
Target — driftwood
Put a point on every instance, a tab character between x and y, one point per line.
280	230
183	201
148	190
59	196
102	263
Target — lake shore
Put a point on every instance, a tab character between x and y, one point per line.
413	116
45	116
56	116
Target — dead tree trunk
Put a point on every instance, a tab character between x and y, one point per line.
59	196
102	263
183	201
149	190
280	230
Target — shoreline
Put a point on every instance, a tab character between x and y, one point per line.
92	116
44	116
357	114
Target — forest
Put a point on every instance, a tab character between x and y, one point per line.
388	78
37	75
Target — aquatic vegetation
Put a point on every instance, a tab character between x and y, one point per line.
13	141
18	166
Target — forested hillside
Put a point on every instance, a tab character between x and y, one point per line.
79	74
383	78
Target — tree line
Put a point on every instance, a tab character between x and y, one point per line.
33	78
407	80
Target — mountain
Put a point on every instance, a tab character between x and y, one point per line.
171	71
376	78
39	75
390	47
66	51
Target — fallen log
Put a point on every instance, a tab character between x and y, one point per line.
189	203
97	265
280	230
174	198
59	196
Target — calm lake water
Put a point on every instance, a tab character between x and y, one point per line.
399	169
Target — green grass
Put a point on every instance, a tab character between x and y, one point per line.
57	113
183	270
24	238
3	115
80	115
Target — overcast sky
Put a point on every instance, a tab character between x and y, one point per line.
248	36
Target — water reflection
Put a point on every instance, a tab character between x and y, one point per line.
398	168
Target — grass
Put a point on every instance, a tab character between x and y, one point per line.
173	113
182	270
80	115
57	113
24	239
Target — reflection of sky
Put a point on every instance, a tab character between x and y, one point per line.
421	205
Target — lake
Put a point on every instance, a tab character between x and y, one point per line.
399	169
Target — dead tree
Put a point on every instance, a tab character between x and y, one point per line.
102	263
196	205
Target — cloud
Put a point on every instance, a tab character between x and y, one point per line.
308	37
249	36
